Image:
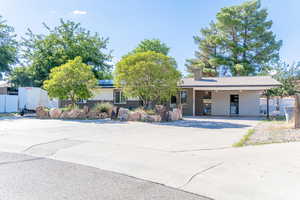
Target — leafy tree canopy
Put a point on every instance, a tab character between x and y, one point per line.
152	45
22	77
288	76
63	43
73	80
8	47
151	76
239	42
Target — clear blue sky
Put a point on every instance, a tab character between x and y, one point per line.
126	22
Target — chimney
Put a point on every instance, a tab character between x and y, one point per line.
197	74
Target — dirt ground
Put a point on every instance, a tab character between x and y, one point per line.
274	132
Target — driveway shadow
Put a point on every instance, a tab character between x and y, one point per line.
96	121
204	124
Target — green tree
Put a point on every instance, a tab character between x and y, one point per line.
205	56
242	39
150	76
152	45
73	80
63	43
21	77
288	76
8	47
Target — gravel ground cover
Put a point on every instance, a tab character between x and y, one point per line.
273	132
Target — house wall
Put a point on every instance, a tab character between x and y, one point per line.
101	95
187	108
106	94
248	102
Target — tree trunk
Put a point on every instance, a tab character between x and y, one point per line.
297	111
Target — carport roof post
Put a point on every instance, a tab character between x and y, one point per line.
194	100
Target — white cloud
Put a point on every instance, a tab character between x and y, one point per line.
79	12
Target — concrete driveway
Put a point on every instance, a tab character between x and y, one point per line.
194	154
185	135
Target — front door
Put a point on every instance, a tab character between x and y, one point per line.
234	104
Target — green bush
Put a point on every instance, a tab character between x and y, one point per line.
103	107
148	111
70	107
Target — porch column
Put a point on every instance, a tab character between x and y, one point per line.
194	102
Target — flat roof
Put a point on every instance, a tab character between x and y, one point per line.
219	83
231	83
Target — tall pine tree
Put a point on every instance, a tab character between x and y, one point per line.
244	42
205	56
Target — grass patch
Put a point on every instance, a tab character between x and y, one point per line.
244	139
274	118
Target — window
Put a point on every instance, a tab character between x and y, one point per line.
183	97
119	97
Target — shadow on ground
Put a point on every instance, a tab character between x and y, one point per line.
203	124
192	122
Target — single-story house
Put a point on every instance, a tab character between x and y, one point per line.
220	96
224	96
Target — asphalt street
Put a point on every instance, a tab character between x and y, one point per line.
24	177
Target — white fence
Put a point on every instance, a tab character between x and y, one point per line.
8	103
277	105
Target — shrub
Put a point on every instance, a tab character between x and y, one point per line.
103	107
148	111
70	107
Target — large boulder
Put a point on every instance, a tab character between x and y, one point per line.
92	114
162	112
153	118
77	114
65	115
55	113
150	118
103	115
123	114
177	112
42	112
134	116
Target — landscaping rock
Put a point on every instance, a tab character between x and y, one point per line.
65	115
134	116
154	118
162	112
103	115
42	112
93	114
123	114
177	114
55	113
77	114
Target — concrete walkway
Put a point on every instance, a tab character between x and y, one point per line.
194	155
